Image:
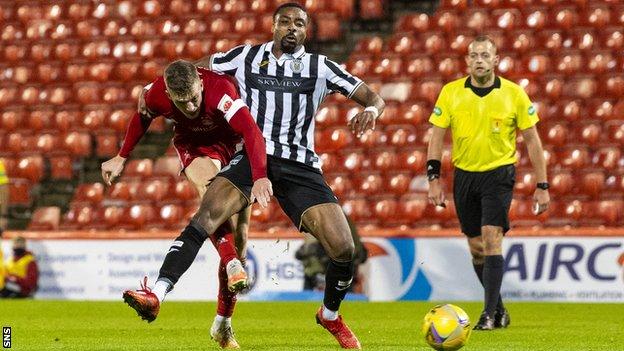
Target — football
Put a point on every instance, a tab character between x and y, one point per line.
446	327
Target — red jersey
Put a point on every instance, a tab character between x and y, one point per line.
222	120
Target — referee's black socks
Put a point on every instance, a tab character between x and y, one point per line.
182	253
337	281
478	268
492	280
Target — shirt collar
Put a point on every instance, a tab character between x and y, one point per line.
497	84
285	56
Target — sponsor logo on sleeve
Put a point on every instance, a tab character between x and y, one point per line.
531	110
437	111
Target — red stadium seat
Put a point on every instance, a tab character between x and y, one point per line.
385	209
107	144
446	20
118	120
11	120
575	157
65	120
477	19
357	209
88	93
184	190
460	40
551	40
245	24
414	22
373	139
19	192
398	184
592	183
429	89
562	182
92	193
388	66
114	94
344	9
608	157
338	138
139	168
339	183
613	38
153	190
139	216
8	95
384	160
413	160
401	135
450	66
331	161
611	212
77	72
31	168
435	42
569	62
557	134
171	216
591	133
47	73
166	166
180	8
328	115
582	87
507	19
564	17
45	218
571	110
123	190
525	183
101	71
601	109
418	65
111	217
371	9
354	161
328	27
597	16
46	143
614	84
15	53
372	45
359	65
616	132
412	207
78	143
600	62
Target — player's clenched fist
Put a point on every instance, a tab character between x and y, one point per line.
112	168
262	191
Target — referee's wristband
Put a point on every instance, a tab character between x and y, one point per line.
372	109
433	169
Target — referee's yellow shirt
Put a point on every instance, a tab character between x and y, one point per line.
4	179
483	128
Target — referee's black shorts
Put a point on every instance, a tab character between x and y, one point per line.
483	198
296	185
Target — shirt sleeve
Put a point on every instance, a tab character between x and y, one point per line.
526	115
238	116
4	179
441	116
338	80
228	62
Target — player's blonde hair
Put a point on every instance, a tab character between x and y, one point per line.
180	77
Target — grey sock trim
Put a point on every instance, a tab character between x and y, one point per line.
166	281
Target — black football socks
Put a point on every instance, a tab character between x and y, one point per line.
492	280
478	268
337	281
182	253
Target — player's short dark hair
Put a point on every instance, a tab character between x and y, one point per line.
482	37
286	5
179	77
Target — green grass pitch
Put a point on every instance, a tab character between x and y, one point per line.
69	325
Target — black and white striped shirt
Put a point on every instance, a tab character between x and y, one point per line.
284	94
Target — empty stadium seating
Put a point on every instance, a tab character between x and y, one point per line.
71	73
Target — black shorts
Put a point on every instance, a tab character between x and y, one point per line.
483	198
296	185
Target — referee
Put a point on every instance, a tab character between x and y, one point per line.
483	111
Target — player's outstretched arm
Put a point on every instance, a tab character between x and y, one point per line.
536	154
137	127
434	156
374	107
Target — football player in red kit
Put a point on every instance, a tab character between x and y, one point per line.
209	120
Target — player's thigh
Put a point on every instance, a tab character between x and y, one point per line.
467	204
327	222
221	200
201	171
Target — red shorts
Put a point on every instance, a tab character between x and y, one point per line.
187	152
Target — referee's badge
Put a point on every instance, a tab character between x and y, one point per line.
296	66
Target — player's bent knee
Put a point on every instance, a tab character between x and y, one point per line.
343	252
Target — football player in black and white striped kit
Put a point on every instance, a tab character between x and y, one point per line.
283	86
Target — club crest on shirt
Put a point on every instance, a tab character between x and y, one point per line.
296	66
225	103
